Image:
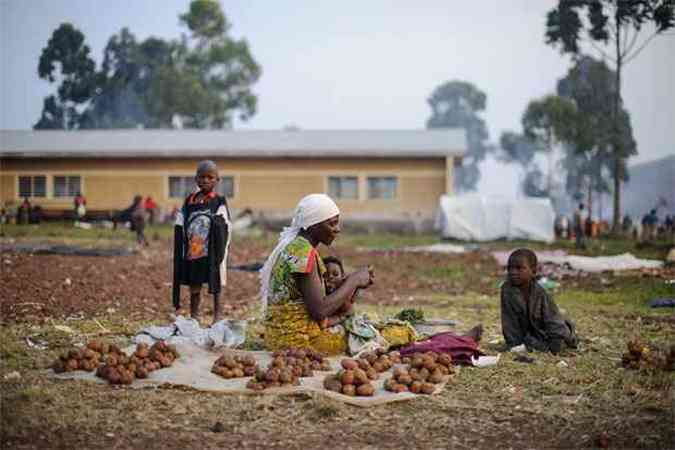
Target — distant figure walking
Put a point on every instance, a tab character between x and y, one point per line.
24	212
79	207
579	223
138	216
151	208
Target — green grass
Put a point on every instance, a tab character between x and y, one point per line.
67	231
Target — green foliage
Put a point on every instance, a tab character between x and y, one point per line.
616	24
195	82
457	104
411	315
66	58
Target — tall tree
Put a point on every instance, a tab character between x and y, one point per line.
458	104
546	121
591	86
66	60
616	25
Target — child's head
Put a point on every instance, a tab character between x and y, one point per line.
207	176
334	273
522	267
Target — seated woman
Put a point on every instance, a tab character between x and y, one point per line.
293	293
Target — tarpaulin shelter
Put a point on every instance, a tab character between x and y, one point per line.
476	217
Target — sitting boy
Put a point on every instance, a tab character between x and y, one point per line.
333	279
529	315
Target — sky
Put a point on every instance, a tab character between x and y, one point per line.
353	64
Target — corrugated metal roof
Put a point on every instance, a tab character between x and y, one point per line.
239	143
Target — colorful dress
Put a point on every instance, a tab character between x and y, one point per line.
287	322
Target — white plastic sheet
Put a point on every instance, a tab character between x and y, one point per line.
475	217
225	333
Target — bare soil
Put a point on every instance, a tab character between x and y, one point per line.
591	403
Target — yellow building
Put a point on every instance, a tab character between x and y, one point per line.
372	174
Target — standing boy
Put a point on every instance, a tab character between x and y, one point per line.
201	240
529	315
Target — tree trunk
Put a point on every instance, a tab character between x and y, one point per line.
616	222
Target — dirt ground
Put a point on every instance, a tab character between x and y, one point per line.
589	402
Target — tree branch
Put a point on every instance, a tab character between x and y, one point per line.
600	50
630	46
629	58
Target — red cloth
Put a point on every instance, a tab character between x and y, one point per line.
461	348
150	203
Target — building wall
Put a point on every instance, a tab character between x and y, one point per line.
269	185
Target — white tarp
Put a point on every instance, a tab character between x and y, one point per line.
480	218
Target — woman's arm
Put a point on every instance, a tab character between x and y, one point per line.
320	306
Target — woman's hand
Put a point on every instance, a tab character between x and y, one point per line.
362	277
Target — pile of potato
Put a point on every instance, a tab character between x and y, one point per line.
87	358
122	369
378	361
286	368
641	356
354	380
235	366
423	372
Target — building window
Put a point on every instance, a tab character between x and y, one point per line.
66	186
343	187
33	186
181	187
382	187
226	187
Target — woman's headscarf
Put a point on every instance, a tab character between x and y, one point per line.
312	209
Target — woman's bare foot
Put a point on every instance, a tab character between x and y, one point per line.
476	333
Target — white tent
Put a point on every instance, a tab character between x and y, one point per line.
479	218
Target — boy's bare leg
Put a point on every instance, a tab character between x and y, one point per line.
216	308
195	299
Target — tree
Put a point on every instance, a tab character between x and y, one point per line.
198	81
545	122
592	134
616	24
66	59
457	104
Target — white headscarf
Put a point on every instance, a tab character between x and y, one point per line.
312	209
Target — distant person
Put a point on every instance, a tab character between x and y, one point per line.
579	225
627	224
669	225
138	218
529	316
650	223
79	207
201	240
35	215
11	212
24	212
151	207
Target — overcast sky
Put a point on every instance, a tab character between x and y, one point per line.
354	64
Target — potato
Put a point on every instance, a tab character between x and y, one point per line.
406	360
416	387
364	364
272	375
430	365
249	360
347	377
389	384
94	345
365	390
405	379
349	389
113	348
237	373
307	371
399	371
349	364
417	362
325	365
372	374
370	357
360	377
379	367
424	374
249	371
445	359
72	364
444	370
428	388
142	352
141	372
286	376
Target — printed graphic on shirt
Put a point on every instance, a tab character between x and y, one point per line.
198	236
